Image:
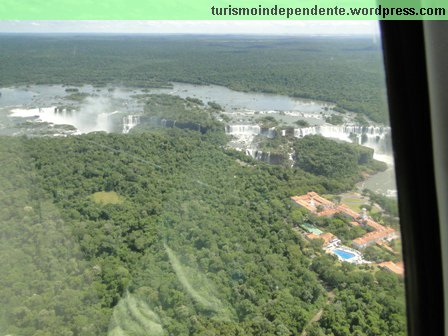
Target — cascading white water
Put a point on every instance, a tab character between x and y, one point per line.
243	129
304	131
251	152
339	132
259	155
370	136
291	155
129	122
243	135
87	119
342	130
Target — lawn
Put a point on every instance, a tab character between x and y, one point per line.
106	197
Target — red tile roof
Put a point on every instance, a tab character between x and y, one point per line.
374	236
311	201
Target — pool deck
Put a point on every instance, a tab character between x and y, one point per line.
357	256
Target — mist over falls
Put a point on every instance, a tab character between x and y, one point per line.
122	109
100	114
93	115
251	130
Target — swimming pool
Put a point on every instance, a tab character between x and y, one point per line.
344	254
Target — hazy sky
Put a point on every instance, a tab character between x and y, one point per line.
195	27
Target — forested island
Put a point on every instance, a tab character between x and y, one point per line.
167	230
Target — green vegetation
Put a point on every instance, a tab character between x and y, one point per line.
165	231
353	203
326	157
346	71
339	226
359	309
278	147
335	119
42	128
77	96
379	254
396	245
267	122
389	205
302	123
356	205
215	106
321	156
203	245
278	143
106	197
182	111
360	120
196	101
133	316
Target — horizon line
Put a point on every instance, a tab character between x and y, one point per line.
185	34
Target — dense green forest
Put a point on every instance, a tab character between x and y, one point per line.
346	71
182	111
169	233
322	156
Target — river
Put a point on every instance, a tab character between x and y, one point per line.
106	103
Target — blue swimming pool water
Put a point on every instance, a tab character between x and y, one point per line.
344	254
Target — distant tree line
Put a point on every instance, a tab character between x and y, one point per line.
346	71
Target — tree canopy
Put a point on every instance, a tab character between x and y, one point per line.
193	243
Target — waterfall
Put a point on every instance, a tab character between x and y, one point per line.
342	131
304	131
86	119
251	152
243	129
374	137
130	122
259	155
291	156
